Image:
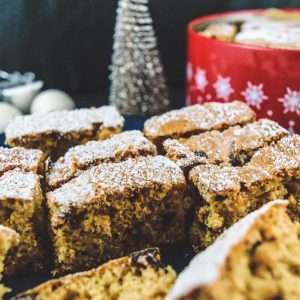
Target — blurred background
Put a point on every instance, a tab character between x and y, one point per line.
68	44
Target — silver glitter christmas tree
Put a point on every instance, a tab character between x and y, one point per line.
138	85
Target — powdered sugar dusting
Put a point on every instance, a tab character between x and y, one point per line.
21	158
199	118
117	148
18	185
130	176
272	33
284	156
64	121
205	267
226	178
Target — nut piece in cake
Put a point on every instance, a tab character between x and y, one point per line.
195	119
55	132
257	258
225	194
8	239
27	160
138	276
235	145
220	31
116	208
21	209
283	160
122	146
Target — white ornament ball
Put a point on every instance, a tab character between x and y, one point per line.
7	113
51	100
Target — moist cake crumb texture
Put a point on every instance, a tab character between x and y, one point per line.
116	208
256	258
21	208
8	239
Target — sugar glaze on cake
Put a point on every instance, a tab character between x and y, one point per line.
205	267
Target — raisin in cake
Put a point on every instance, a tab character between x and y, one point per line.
138	276
257	258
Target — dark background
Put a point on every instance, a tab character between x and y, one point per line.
68	43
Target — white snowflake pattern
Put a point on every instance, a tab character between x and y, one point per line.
189	71
223	87
291	101
254	94
201	80
291	126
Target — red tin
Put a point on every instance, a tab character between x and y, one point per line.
267	79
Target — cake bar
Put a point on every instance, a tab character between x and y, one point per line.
27	160
283	160
8	239
195	119
257	258
234	146
55	132
225	194
128	144
21	209
116	208
138	276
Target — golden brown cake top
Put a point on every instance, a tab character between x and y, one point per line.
27	160
64	121
117	148
127	178
18	185
198	118
219	146
205	268
282	156
214	178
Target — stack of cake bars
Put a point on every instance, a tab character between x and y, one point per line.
79	192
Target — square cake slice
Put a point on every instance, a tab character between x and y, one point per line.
283	160
27	160
139	276
21	209
225	194
116	208
122	146
195	119
55	132
8	239
234	146
257	258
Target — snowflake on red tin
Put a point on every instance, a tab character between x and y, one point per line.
200	79
254	94
291	101
189	71
223	87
